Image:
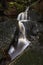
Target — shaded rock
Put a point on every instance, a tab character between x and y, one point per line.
39	7
11	12
7	30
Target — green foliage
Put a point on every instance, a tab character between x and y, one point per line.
18	6
25	2
10	4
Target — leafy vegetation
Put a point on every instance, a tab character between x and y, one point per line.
18	6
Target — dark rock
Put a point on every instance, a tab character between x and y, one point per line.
11	12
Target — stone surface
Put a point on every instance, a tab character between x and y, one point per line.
7	29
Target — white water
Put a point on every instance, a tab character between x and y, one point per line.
23	15
23	42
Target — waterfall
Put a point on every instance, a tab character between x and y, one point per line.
23	42
22	39
23	15
22	29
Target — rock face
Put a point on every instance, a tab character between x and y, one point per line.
7	30
11	12
7	37
39	6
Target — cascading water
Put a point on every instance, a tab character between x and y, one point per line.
22	39
23	15
23	42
